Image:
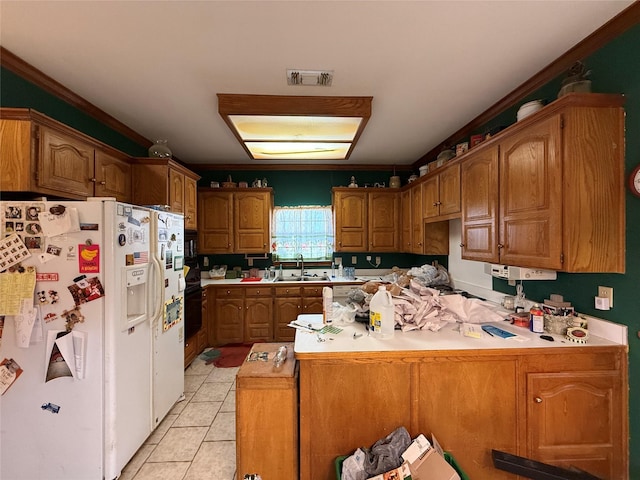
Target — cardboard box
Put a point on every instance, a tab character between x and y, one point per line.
426	463
401	473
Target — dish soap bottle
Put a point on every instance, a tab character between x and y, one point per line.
381	314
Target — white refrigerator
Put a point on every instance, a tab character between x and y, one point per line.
89	292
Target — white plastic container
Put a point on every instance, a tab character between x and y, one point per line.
327	304
381	315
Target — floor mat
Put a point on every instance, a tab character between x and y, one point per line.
210	354
230	356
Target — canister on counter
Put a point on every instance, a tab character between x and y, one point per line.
536	322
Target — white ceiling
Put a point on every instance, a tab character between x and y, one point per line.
431	66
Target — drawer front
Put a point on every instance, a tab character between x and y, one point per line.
229	292
258	292
315	291
288	291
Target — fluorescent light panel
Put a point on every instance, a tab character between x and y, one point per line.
298	128
275	127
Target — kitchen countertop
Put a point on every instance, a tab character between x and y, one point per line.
238	281
447	339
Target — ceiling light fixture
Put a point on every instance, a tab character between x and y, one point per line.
280	127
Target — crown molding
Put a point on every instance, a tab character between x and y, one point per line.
628	18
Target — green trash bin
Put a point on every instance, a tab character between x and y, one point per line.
447	456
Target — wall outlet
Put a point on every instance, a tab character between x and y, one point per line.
205	261
606	292
378	261
338	261
368	258
354	260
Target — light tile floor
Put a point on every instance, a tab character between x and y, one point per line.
197	438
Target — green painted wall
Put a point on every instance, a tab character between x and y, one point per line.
616	69
19	93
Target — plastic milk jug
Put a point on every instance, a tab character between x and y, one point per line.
381	315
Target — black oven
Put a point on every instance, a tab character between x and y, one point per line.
192	310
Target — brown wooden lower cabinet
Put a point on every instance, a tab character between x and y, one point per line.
267	416
563	406
258	314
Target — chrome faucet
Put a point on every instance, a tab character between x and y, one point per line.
301	262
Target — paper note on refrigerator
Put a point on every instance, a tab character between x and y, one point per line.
24	323
14	288
58	223
66	354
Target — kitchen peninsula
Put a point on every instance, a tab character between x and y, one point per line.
558	402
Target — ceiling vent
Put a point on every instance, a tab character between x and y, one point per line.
310	78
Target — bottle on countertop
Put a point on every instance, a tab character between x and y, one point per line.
537	319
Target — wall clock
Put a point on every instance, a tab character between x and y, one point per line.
634	181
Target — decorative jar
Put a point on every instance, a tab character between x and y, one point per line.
160	149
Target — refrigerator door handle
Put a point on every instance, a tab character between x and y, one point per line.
158	281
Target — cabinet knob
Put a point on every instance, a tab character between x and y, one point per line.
500	245
462	245
228	292
537	400
240	308
94	180
103	182
435	204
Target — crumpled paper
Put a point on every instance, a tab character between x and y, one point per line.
423	308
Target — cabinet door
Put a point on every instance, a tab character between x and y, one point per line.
229	320
431	197
286	309
350	210
215	222
113	177
405	215
480	206
65	164
383	221
449	190
312	305
417	220
574	419
190	203
16	162
530	196
176	191
471	407
252	222
258	321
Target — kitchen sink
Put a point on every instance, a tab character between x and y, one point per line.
306	278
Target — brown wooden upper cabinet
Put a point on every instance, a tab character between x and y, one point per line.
235	220
549	191
441	194
162	181
366	220
44	156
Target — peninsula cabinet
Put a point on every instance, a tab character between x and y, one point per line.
562	405
548	192
41	155
366	219
234	220
162	181
441	194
